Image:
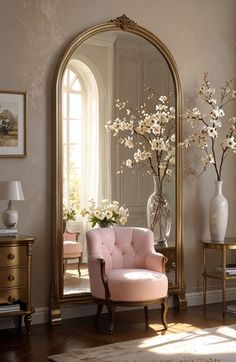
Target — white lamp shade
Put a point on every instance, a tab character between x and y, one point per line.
11	190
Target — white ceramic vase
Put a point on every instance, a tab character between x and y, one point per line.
218	214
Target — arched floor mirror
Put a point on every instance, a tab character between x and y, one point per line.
114	60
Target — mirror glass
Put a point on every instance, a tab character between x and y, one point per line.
110	65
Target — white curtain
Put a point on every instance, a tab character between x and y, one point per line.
95	151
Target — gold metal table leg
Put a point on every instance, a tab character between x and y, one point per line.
204	277
223	278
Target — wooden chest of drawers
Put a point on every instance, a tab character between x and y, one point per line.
15	278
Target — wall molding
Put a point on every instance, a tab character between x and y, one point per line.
41	315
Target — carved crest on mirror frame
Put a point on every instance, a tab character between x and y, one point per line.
124	22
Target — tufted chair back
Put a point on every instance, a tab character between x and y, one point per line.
120	247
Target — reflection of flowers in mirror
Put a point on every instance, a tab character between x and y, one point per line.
210	126
149	131
105	214
69	213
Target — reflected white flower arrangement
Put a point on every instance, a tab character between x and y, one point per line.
105	214
207	128
150	134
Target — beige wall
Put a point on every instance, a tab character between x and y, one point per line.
33	33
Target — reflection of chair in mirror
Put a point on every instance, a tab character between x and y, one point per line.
124	269
72	249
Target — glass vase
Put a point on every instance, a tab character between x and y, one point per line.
159	214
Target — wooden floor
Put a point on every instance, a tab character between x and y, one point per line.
79	333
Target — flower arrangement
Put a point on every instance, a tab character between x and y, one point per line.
207	128
150	134
69	213
106	214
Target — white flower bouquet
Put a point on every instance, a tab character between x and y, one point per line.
106	214
69	213
207	128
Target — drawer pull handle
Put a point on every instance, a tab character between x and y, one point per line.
11	299
11	278
10	256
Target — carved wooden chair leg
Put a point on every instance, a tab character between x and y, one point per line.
111	310
146	314
79	262
164	309
99	311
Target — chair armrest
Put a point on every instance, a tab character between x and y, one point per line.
97	276
156	262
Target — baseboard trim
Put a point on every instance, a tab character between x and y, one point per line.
41	315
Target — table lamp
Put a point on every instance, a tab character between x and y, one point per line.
10	190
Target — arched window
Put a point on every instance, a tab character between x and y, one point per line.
74	105
85	146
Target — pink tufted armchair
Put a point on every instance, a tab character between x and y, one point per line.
72	249
125	270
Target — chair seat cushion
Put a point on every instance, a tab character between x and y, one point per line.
126	284
71	249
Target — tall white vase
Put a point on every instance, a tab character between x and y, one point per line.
218	214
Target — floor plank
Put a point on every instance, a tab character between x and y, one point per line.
79	333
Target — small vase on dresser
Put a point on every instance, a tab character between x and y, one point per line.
218	214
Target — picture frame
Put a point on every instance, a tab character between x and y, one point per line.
12	124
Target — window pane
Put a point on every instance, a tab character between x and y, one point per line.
64	130
71	77
74	189
65	158
76	86
75	131
75	156
75	106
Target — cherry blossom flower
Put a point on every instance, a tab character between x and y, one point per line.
149	131
207	126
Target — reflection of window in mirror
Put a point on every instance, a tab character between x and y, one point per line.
80	126
84	143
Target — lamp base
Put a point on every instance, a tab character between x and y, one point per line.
10	216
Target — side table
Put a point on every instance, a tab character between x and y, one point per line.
174	274
227	244
15	277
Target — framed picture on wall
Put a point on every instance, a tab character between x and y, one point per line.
12	124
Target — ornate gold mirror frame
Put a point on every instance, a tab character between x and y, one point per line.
58	299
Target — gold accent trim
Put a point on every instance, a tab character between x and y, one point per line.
55	316
25	124
29	250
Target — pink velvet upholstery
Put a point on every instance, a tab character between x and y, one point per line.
72	248
124	267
